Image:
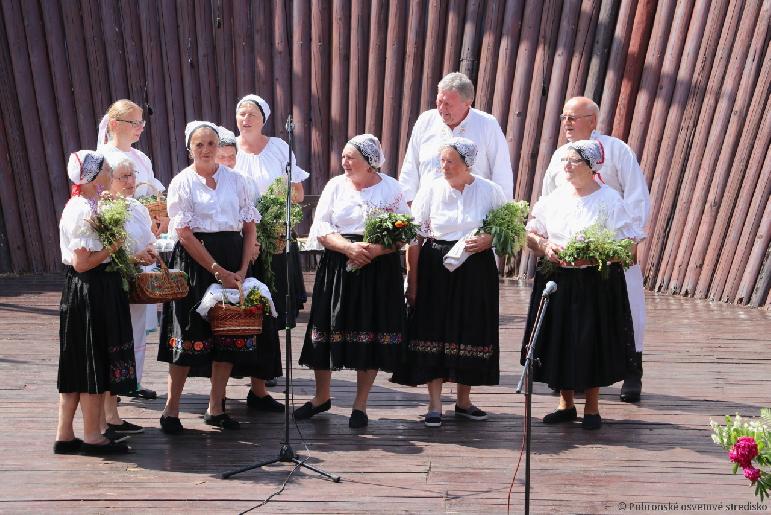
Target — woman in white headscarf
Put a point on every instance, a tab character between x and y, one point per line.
262	160
357	317
586	340
453	327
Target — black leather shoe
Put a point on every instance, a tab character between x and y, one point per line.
171	425
308	410
223	421
266	403
358	419
145	393
592	421
561	415
67	446
88	449
632	387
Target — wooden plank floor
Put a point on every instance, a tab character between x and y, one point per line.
703	360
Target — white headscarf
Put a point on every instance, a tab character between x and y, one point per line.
191	127
227	137
590	152
465	147
261	104
369	147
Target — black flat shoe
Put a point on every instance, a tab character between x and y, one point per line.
67	446
88	449
115	437
592	421
561	415
223	421
307	410
126	428
144	393
358	419
266	403
171	425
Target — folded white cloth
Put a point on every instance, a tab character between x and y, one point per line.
215	293
457	255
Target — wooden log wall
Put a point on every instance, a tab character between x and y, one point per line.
685	82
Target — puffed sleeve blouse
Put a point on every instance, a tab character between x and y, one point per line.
561	214
191	203
264	168
75	232
138	228
343	209
444	213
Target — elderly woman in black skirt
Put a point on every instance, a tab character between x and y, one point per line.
357	317
586	339
96	347
262	160
211	215
452	332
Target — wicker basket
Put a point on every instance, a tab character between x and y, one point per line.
229	320
280	242
158	208
156	287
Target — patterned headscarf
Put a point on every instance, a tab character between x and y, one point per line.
227	137
193	126
369	147
261	104
590	152
84	165
465	147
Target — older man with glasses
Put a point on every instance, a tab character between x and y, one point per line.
621	171
454	117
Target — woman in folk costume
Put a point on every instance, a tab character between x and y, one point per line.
96	348
214	220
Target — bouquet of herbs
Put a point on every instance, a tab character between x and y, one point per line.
271	229
253	299
387	229
506	224
152	199
109	223
595	245
748	444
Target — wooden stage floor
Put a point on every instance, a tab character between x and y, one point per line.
702	361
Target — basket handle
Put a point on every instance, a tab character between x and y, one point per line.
240	294
162	264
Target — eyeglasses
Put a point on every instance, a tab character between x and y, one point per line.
135	123
125	178
571	118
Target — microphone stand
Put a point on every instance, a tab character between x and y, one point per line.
527	380
286	454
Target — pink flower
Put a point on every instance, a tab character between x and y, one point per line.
743	451
752	474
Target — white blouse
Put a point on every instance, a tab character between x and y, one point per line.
342	209
264	168
191	203
75	232
561	214
138	228
444	213
147	184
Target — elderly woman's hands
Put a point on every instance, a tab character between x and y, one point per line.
358	254
551	251
146	256
479	243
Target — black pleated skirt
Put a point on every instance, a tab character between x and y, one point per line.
96	346
357	318
452	331
186	337
586	338
278	289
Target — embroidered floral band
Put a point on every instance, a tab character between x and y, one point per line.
318	336
190	347
122	371
452	349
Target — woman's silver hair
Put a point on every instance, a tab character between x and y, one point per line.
459	83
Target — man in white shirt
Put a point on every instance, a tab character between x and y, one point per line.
621	172
453	117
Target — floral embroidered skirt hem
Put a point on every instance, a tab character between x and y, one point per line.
587	337
357	318
452	331
186	337
96	346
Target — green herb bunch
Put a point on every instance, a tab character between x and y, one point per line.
152	199
109	223
387	229
506	224
598	245
271	229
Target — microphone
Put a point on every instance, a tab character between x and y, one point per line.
551	287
